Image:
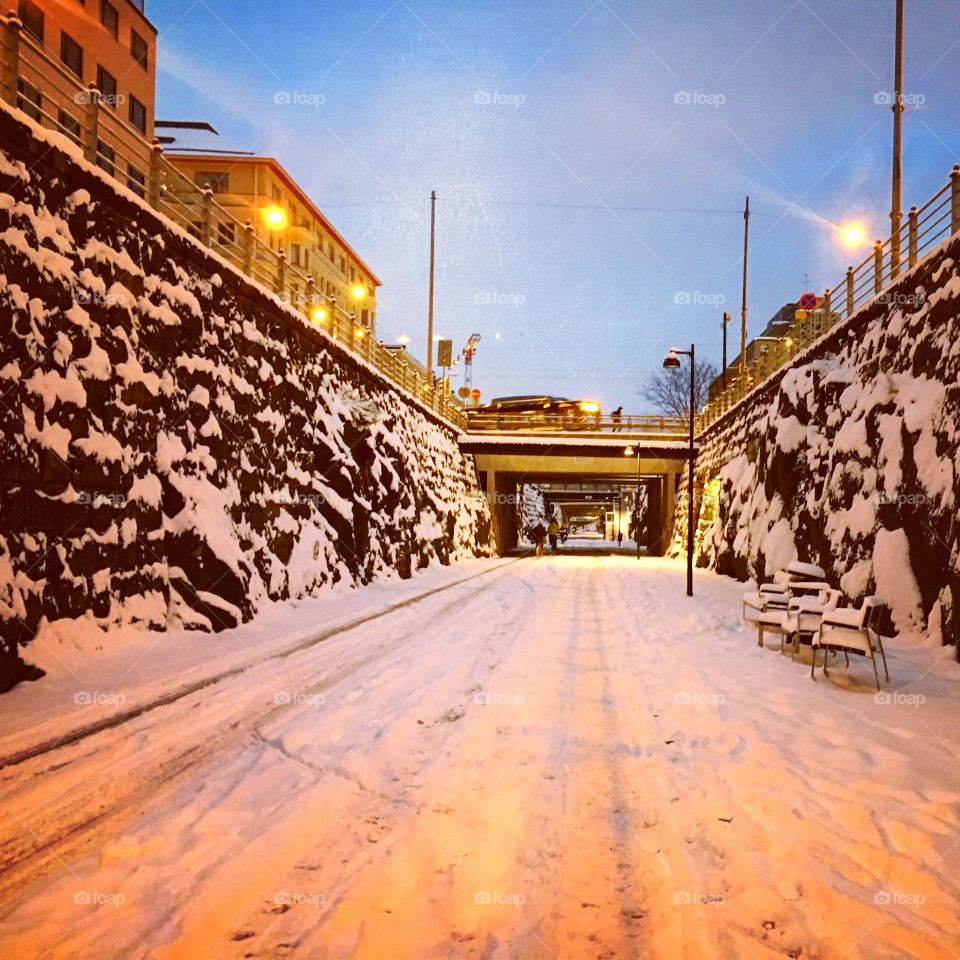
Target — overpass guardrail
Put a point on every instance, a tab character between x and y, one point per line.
523	424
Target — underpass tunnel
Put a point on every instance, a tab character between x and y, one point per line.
594	509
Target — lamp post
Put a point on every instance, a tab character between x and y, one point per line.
672	362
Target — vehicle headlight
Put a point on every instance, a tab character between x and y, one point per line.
588	406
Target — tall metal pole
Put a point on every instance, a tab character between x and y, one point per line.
895	202
743	295
433	240
723	373
693	368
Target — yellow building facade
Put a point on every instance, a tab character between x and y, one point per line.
259	190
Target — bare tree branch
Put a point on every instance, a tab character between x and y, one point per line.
668	391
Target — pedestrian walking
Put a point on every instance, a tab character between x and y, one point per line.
553	531
617	417
537	534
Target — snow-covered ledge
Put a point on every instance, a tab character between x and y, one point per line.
178	448
850	458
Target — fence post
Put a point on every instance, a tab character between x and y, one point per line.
849	291
13	26
281	272
955	198
156	166
877	267
913	232
206	211
309	293
247	248
93	122
826	305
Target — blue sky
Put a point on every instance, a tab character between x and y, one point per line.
540	123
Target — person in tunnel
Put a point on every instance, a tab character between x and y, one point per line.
553	532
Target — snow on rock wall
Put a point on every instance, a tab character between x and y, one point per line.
851	458
177	446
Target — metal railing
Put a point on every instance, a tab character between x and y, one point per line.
527	422
48	93
923	228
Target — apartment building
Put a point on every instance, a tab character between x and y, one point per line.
86	68
261	191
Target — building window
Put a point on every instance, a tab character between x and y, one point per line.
138	114
226	234
71	54
32	18
139	49
218	180
295	254
136	181
343	264
69	125
106	158
107	85
29	99
110	18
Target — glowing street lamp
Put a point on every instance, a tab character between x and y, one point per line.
358	292
275	217
853	235
320	315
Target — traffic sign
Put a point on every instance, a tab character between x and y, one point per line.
808	301
475	394
463	393
444	353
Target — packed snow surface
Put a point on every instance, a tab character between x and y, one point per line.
554	758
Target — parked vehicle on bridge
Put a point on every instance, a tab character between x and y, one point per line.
535	412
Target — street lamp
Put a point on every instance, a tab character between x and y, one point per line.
672	362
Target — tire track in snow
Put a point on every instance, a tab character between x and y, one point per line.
59	806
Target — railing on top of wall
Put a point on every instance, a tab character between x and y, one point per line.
923	228
52	96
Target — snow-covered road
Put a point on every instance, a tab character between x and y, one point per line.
563	758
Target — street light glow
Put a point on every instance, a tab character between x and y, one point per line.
275	218
853	235
319	315
358	292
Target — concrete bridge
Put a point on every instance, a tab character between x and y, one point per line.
639	451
